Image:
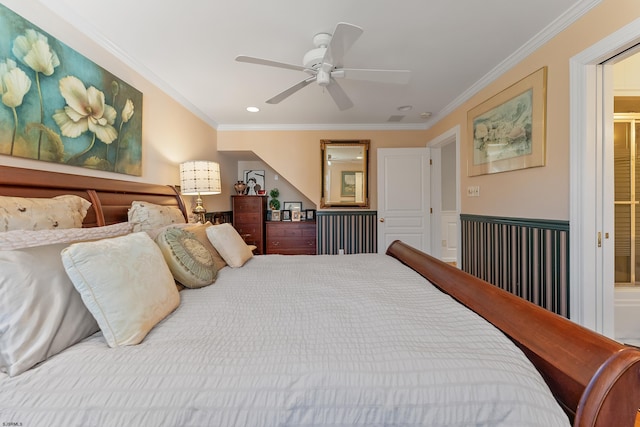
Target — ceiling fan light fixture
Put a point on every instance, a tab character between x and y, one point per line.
313	58
324	64
323	78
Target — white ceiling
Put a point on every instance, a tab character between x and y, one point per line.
188	49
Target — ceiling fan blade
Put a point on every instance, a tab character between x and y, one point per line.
290	91
269	63
339	96
381	76
344	36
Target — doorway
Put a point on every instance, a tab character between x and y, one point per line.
592	215
626	133
445	196
404	199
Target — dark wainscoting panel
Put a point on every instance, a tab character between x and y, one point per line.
355	232
219	217
527	257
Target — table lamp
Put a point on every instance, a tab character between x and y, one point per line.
201	178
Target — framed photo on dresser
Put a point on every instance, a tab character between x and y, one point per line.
286	215
292	206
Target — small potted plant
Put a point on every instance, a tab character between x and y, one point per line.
274	203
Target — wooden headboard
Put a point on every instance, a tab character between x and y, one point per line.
110	198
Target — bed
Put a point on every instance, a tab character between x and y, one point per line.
328	340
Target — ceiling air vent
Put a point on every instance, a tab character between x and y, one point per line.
397	118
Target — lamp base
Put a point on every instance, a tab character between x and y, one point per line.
199	210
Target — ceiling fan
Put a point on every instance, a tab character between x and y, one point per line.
324	64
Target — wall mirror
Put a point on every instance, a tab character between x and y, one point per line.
345	178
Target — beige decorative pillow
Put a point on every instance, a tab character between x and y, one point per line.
18	239
200	231
147	216
190	261
41	313
125	283
229	244
155	232
23	213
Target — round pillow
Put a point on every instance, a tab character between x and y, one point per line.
190	262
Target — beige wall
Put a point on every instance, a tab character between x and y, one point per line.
541	192
538	192
296	154
171	133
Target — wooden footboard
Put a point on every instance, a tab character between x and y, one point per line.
595	379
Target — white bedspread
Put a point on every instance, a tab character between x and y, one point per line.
295	341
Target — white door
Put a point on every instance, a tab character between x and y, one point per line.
404	197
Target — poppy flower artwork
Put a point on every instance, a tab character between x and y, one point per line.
59	106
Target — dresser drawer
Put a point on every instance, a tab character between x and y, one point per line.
248	229
284	231
279	245
243	203
248	218
291	238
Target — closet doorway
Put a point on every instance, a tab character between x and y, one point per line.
626	132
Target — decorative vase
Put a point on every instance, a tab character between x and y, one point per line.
240	187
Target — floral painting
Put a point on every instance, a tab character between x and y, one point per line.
507	132
503	132
59	106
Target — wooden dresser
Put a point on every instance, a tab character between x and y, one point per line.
291	238
249	214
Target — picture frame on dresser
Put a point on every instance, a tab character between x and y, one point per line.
285	215
275	216
292	206
295	215
310	214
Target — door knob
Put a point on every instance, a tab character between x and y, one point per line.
381	219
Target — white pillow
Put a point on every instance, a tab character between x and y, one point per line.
17	239
23	213
229	244
41	313
125	283
147	216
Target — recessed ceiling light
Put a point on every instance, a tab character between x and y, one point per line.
405	108
425	115
253	109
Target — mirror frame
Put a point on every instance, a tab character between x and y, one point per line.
326	143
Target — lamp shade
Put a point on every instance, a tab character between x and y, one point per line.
200	177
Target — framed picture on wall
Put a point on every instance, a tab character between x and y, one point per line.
255	182
507	132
